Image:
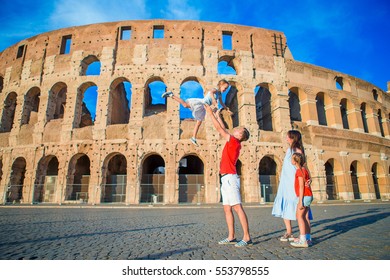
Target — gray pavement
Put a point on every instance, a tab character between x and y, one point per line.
340	232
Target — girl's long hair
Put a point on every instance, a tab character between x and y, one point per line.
296	136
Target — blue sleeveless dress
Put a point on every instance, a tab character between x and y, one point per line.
286	201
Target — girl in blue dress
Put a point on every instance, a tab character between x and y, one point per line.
285	204
196	105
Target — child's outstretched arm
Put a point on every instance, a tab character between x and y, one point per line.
220	128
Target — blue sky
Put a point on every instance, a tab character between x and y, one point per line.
351	36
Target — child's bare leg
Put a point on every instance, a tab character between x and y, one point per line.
196	129
181	101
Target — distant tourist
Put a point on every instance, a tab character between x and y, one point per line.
196	105
230	189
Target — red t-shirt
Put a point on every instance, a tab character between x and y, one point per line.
230	154
305	174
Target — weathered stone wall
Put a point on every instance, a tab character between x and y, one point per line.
190	50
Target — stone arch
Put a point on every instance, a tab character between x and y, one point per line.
379	179
190	88
364	116
87	62
153	102
1	83
268	178
77	185
152	179
15	190
191	179
56	103
263	101
114	178
227	65
85	111
294	97
231	100
320	104
357	176
8	116
46	179
119	102
31	106
344	108
380	123
337	185
342	83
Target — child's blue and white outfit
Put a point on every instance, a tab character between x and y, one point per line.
197	105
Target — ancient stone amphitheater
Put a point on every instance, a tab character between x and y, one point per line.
130	146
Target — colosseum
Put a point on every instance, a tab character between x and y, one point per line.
83	121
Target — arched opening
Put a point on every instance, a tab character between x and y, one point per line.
153	180
331	189
46	180
380	123
7	119
119	102
267	179
263	107
294	105
191	180
355	180
229	97
344	114
56	103
1	83
77	186
320	104
189	89
375	94
364	117
16	182
86	105
153	101
339	83
114	188
31	106
90	66
226	66
374	171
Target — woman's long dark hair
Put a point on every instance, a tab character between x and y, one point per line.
296	136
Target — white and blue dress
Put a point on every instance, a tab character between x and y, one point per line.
197	105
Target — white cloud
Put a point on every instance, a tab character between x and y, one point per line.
76	12
181	10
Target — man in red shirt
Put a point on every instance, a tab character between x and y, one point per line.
230	189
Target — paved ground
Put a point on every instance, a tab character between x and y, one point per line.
343	231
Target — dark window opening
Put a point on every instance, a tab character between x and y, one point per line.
158	32
126	33
227	37
65	44
20	51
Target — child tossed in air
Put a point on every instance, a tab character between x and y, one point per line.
196	105
305	196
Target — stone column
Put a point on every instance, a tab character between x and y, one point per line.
355	121
332	111
344	182
136	112
366	183
372	120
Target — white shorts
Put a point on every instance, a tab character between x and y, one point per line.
230	189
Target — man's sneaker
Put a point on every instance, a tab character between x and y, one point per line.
300	244
167	94
287	237
193	140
